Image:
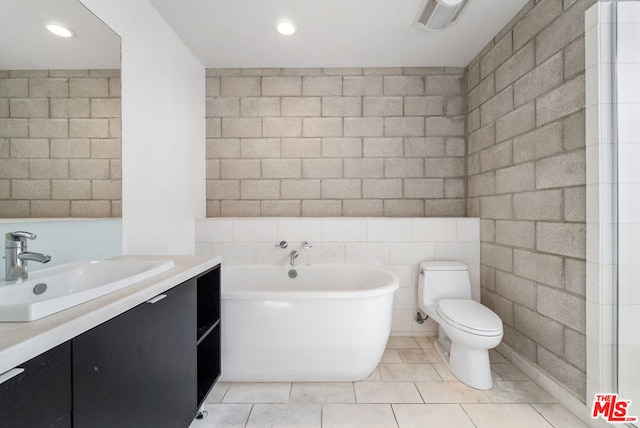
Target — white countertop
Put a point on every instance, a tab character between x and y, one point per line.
21	341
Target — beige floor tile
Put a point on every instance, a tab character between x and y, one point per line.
431	415
518	391
258	393
444	372
558	416
217	392
417	356
358	416
426	342
408	372
224	416
450	392
391	356
507	371
505	416
387	392
285	416
373	377
402	342
322	392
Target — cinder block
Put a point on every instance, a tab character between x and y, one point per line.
89	168
383	147
30	189
482	138
362	208
88	88
515	67
87	128
321	85
497	156
540	205
516	179
280	208
213	169
564	170
71	189
411	126
516	289
341	106
48	168
363	127
260	148
49	88
321	168
223	107
496	207
541	329
281	168
29	148
497	106
260	189
541	79
240	208
455	105
382	189
300	189
480	93
223	148
455	188
544	268
301	147
515	233
17	88
282	86
423	188
240	86
565	239
14	209
539	143
403	85
424	106
70	107
562	101
404	168
423	147
91	209
239	168
29	107
362	85
567	27
575	276
45	128
223	189
497	55
444	85
342	147
516	122
574	135
243	127
50	209
297	106
444	167
382	106
105	148
445	126
212	85
535	21
575	205
260	107
282	127
341	189
574	58
106	189
562	307
105	107
322	208
321	127
363	168
403	207
482	184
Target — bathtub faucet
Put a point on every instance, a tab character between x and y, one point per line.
294	255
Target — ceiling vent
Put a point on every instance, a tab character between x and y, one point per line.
436	15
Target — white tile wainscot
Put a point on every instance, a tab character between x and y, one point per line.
398	244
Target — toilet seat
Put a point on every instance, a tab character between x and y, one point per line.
470	316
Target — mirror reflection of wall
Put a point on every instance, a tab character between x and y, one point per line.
60	115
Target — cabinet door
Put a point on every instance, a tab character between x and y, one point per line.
139	369
40	396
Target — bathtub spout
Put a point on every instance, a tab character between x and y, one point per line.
294	255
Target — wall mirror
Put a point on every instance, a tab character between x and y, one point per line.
60	114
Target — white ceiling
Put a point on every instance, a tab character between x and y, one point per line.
241	33
25	44
331	33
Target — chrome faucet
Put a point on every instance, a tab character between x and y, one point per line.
295	253
16	255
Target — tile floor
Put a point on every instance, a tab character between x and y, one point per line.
410	388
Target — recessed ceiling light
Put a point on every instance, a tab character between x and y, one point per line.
60	30
436	15
286	28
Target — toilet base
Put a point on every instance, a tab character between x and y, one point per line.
470	366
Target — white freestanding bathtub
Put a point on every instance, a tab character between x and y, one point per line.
328	323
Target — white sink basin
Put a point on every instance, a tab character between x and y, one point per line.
48	291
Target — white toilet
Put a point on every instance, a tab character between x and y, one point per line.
466	329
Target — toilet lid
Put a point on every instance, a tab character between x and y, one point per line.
470	315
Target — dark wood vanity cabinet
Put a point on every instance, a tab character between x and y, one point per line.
151	366
139	369
40	396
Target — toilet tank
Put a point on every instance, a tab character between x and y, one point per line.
443	280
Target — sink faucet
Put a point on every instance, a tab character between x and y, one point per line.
16	255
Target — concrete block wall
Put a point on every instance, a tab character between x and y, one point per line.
60	147
526	182
383	142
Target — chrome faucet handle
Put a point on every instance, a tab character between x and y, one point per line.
282	244
19	238
306	245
